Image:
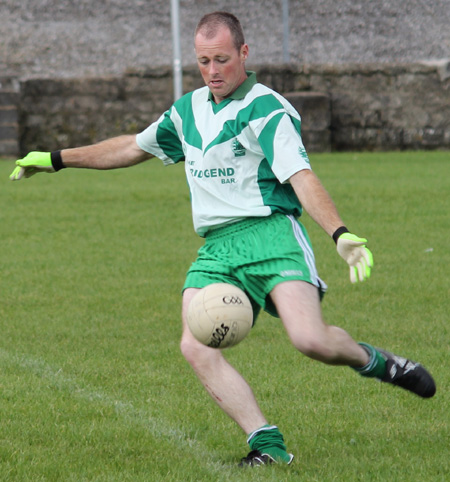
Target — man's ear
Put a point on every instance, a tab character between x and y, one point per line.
244	52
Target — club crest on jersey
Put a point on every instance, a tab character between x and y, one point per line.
238	148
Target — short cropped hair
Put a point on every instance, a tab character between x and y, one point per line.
211	22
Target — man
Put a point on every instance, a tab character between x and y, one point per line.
249	178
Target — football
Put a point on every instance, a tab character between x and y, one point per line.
220	315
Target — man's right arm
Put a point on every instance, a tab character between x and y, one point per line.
113	153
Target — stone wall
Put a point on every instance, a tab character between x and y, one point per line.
387	106
9	116
345	107
70	113
66	38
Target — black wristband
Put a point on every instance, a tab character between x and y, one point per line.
57	161
338	232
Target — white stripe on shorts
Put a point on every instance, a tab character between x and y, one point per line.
309	255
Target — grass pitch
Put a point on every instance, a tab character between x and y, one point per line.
93	386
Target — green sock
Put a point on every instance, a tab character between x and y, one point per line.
376	368
269	440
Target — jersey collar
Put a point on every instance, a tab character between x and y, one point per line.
242	90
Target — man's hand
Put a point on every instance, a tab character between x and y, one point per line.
35	162
358	257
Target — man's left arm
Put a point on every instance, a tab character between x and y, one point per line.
318	204
316	201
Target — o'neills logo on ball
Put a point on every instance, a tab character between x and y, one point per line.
219	335
232	300
221	332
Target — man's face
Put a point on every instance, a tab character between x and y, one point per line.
222	66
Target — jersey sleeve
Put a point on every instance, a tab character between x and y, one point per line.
162	138
278	134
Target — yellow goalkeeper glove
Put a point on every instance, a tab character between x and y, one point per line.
354	251
35	162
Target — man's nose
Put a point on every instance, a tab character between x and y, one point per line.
212	68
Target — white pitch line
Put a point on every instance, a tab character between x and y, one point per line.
160	428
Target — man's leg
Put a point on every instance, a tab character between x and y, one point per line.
298	306
225	385
234	396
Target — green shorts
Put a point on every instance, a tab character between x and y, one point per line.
256	254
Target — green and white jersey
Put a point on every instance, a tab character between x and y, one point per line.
238	154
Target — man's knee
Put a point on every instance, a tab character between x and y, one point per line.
315	346
195	353
188	349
